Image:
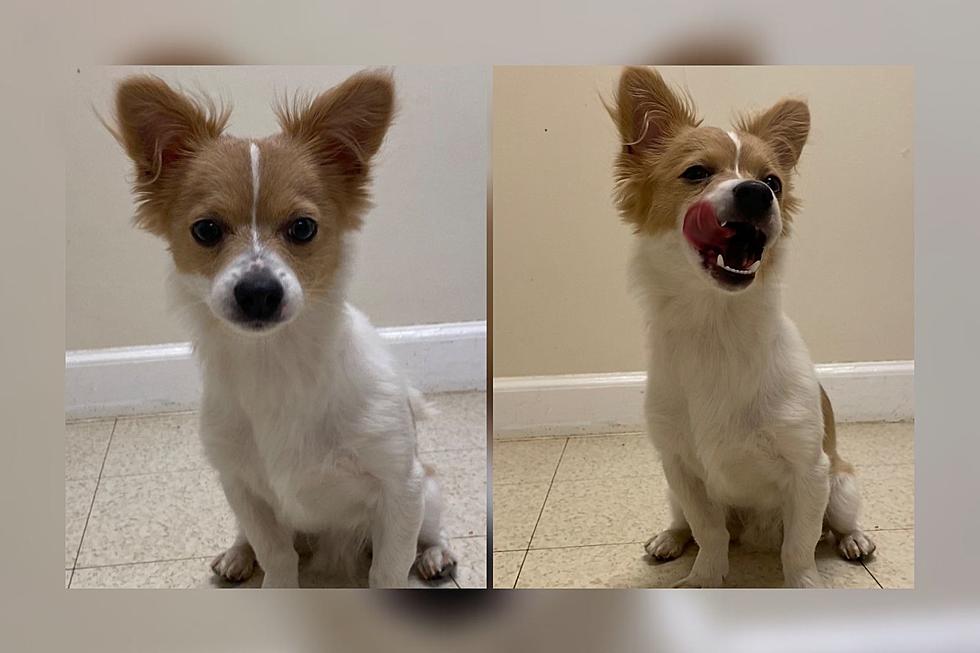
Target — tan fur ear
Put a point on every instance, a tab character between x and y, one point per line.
160	128
344	126
785	127
648	112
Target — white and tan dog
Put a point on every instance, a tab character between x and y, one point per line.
745	432
304	415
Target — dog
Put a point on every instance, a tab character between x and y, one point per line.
744	429
304	415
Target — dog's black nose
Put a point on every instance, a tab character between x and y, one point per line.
258	295
752	199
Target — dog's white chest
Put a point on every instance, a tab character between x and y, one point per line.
740	468
321	489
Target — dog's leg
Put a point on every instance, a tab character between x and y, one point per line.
670	543
237	563
844	506
843	511
803	510
435	559
271	541
707	520
395	530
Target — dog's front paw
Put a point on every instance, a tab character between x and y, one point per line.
855	546
698	581
435	562
807	578
236	564
667	545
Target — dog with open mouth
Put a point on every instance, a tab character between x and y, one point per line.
305	414
745	432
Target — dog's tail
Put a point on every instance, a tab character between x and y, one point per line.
420	407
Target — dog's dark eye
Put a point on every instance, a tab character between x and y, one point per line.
773	182
696	173
301	230
207	232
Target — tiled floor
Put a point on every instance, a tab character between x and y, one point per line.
144	509
576	511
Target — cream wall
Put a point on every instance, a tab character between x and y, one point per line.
560	302
422	252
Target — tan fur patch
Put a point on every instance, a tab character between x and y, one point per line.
661	137
318	168
837	464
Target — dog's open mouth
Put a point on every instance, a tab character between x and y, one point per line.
731	252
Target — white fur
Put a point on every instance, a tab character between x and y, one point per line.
733	406
311	430
738	150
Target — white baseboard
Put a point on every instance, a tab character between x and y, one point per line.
448	357
613	403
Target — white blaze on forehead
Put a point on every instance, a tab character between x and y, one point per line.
253	151
738	148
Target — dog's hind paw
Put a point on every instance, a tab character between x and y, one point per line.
669	544
855	545
237	564
435	562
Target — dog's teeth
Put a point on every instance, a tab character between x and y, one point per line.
721	261
755	266
724	222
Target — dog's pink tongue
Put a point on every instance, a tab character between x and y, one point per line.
701	227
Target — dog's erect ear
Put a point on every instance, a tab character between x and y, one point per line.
648	112
344	126
784	126
160	127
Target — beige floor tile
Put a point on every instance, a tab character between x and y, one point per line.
888	493
602	511
515	512
157	517
463	475
764	569
155	444
459	423
458	462
626	565
894	561
85	447
506	564
604	566
609	456
471	572
78	501
171	574
67	578
526	461
876	443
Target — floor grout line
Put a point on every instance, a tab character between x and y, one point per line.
540	512
144	562
95	492
624	542
542	438
871	573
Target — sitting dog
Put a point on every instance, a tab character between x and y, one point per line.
304	414
744	429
